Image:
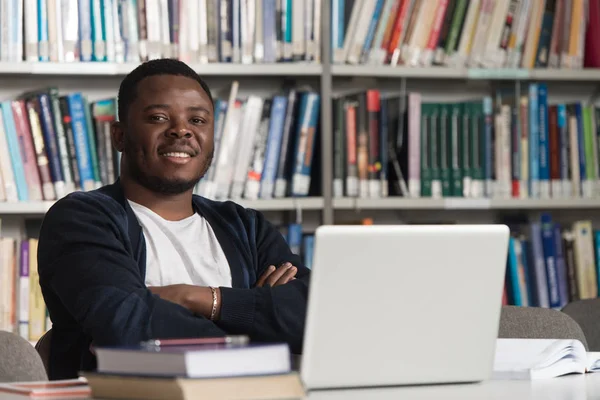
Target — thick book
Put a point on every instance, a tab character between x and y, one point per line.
196	361
542	358
283	386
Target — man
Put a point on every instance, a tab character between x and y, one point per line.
145	258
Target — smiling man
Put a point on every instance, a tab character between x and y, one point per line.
144	258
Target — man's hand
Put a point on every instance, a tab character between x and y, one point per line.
277	276
197	299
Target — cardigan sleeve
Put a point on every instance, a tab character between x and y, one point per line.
90	277
269	314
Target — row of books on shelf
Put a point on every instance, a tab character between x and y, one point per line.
22	306
195	31
474	33
505	145
51	145
550	264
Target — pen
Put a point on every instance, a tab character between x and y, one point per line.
234	340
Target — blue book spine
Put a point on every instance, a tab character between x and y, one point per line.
513	274
269	31
563	138
561	267
538	267
371	31
267	184
580	146
14	150
337	23
85	30
544	157
309	116
534	163
529	275
47	123
309	246
42	18
550	260
294	238
80	137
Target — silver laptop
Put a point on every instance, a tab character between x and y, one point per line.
403	305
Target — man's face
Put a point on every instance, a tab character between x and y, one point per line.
167	140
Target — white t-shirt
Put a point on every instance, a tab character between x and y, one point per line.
185	251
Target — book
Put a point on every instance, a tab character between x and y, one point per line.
283	386
542	358
196	361
60	389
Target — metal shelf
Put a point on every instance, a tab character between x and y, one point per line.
39	208
400	203
119	69
385	71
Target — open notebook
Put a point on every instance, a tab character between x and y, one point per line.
542	358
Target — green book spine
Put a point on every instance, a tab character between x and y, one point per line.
434	151
590	170
445	149
92	140
425	150
456	153
477	148
465	130
457	20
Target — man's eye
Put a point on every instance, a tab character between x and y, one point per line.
157	118
198	120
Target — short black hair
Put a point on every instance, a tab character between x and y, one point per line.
161	66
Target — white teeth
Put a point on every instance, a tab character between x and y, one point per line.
178	155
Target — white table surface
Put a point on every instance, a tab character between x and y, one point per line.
572	387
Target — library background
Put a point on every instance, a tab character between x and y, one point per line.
327	112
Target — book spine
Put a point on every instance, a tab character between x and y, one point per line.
547	229
305	144
544	153
282	175
374	157
267	184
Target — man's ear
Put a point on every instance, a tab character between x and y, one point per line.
118	136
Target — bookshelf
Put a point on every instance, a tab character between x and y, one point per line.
332	78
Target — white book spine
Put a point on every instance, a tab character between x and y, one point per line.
31	35
110	29
16	50
130	21
153	26
53	29
459	58
118	29
259	37
341	55
165	29
308	30
317	31
5	28
248	26
361	32
250	123
200	44
298	43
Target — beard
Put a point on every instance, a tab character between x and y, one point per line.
160	184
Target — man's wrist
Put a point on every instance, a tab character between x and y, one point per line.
200	301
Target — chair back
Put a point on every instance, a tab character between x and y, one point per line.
538	323
43	348
19	361
587	314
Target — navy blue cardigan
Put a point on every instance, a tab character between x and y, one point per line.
91	261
